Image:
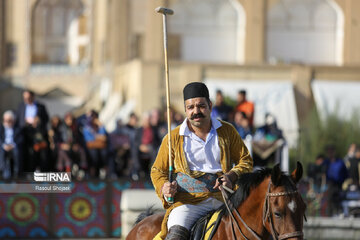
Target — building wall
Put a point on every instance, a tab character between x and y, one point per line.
2	36
126	46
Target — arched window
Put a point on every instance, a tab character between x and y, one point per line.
308	31
60	32
208	30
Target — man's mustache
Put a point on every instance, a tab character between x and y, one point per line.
198	115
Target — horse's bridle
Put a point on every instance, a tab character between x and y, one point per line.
266	215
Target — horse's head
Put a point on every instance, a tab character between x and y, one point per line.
284	208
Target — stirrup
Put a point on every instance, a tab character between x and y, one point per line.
177	232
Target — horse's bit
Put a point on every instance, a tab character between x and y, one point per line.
266	215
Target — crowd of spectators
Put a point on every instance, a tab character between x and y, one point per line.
336	179
241	116
32	141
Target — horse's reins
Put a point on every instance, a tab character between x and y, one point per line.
266	215
227	203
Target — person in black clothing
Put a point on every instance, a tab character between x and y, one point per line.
120	148
29	109
37	146
353	167
130	131
157	123
317	173
54	139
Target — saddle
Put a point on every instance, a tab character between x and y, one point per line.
205	227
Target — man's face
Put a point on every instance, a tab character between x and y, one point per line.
219	98
8	121
28	98
357	154
146	121
241	97
133	121
68	120
238	118
198	111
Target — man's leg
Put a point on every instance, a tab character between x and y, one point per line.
17	162
7	165
182	218
177	232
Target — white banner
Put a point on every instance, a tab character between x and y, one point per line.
342	98
275	97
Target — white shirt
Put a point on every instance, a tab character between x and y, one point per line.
9	136
30	112
202	156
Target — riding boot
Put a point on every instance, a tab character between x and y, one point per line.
177	232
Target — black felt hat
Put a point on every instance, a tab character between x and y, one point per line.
194	90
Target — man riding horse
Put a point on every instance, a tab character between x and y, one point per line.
203	149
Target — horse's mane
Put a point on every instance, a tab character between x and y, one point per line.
249	181
148	212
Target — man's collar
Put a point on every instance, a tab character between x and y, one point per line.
185	131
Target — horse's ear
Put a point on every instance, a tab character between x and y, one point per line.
297	173
276	175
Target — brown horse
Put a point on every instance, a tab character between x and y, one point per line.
265	204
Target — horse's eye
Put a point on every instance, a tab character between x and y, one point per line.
277	214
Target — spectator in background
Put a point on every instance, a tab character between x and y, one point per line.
71	155
27	112
350	154
173	124
268	142
96	142
130	131
220	109
335	175
131	126
11	139
351	185
54	137
31	108
241	123
37	144
243	105
145	146
120	148
269	131
353	166
159	126
317	173
178	119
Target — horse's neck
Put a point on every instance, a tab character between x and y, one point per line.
251	211
252	208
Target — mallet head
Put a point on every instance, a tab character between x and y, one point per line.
166	11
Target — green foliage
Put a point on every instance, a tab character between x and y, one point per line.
318	133
229	101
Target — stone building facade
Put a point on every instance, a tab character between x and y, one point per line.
110	52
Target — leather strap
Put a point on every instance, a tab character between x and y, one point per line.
291	235
266	216
229	206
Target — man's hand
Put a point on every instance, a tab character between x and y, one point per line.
65	146
169	189
225	181
144	148
8	147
